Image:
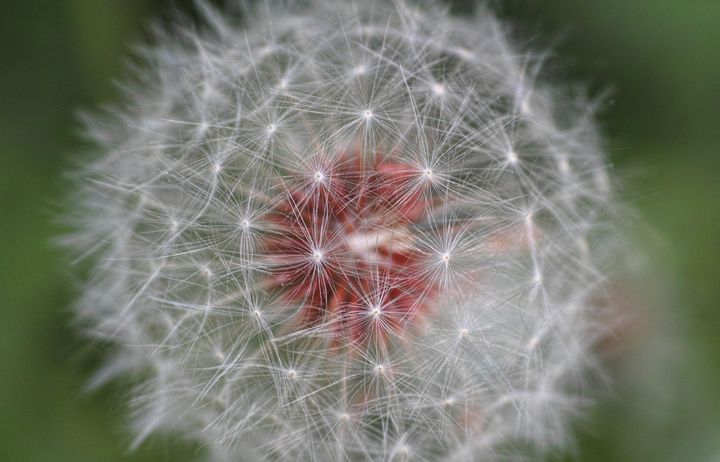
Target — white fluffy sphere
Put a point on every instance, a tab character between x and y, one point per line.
347	230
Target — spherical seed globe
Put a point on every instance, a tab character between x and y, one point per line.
347	230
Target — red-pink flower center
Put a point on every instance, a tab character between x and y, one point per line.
343	246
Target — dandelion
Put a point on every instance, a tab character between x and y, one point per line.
347	231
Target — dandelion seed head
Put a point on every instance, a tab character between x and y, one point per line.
348	230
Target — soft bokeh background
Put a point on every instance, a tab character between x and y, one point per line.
660	57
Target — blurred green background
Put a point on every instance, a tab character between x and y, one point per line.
660	57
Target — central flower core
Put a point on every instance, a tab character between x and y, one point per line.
344	245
